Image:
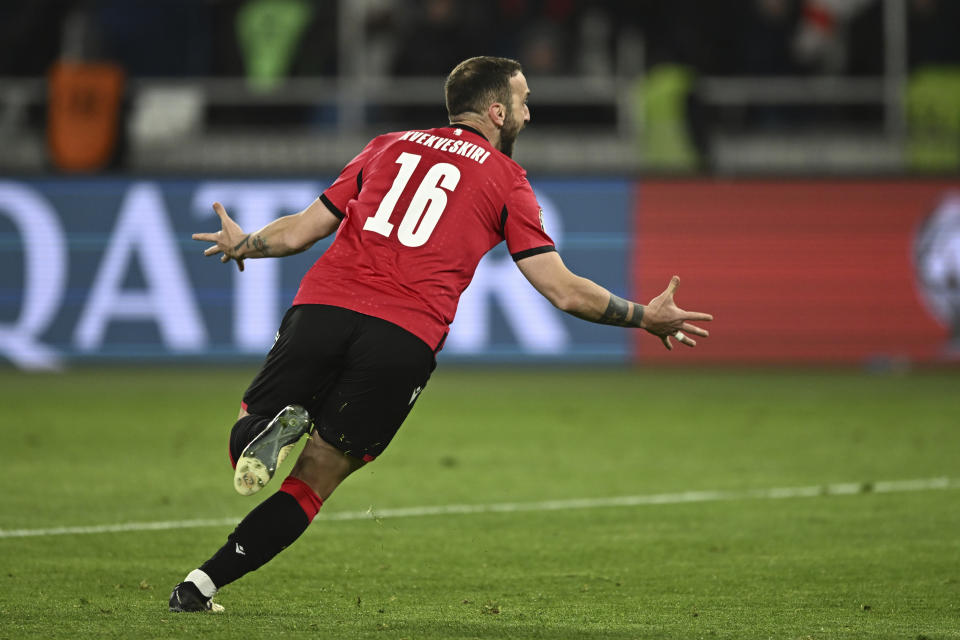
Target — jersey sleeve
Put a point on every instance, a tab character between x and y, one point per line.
522	222
348	184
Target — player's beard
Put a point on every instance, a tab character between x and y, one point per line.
508	134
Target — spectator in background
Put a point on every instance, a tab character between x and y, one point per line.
138	36
540	32
820	41
542	48
765	45
437	38
934	32
31	35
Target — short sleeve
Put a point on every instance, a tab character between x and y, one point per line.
348	184
522	222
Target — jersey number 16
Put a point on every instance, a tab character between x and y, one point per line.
426	206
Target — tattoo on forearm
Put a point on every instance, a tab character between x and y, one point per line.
617	310
261	245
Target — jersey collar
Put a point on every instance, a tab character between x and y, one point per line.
467	128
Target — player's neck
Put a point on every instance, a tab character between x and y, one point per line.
487	129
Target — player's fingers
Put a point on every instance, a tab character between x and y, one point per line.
240	264
666	342
697	316
694	329
683	338
205	237
674	283
220	211
212	251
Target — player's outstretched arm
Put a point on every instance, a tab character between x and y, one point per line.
283	237
586	299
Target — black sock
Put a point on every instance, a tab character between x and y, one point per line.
265	532
244	430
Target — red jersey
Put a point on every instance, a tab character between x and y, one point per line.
419	210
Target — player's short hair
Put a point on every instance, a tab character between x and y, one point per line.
476	83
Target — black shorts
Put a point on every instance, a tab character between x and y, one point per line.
357	375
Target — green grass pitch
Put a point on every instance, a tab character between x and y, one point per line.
107	446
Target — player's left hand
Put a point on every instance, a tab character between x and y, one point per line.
227	241
664	319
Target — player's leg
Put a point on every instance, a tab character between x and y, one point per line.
302	365
300	368
322	467
385	371
280	519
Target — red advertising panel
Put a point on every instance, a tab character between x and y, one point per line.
811	271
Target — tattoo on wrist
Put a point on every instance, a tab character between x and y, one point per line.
637	315
245	243
617	310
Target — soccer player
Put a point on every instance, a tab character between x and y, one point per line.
414	212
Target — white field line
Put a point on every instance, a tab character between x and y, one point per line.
842	489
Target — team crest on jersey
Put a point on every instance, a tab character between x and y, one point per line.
542	226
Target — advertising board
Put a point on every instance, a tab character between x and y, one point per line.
102	269
822	271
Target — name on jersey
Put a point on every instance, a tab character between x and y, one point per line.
459	147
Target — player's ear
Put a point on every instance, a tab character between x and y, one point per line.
497	113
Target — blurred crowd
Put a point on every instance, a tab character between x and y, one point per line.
658	50
427	37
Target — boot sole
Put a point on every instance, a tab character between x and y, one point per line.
260	459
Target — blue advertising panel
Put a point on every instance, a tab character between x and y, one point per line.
99	269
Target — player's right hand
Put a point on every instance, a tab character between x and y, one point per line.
229	241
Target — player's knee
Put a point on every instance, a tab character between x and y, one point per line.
322	466
319	452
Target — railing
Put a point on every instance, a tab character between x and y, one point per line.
351	102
